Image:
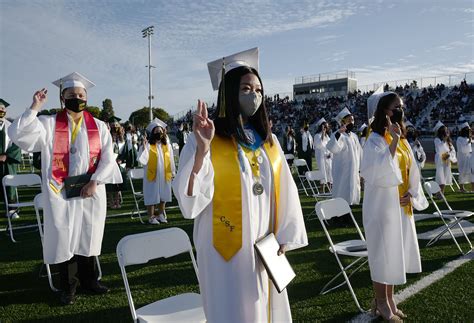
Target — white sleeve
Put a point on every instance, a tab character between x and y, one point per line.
28	132
334	145
203	187
143	154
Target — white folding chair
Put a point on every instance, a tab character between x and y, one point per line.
39	206
166	243
315	176
450	217
136	174
352	248
302	177
15	181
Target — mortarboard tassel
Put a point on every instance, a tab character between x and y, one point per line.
222	94
60	93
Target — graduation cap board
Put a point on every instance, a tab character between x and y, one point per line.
219	67
438	125
155	123
4	103
114	119
341	115
73	80
373	101
320	122
463	125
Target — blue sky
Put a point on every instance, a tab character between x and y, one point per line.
41	41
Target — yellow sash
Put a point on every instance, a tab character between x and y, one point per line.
153	161
404	163
227	201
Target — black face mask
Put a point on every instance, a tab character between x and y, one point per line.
2	114
75	105
397	116
156	136
349	127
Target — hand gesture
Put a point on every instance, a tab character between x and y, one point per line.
203	128
39	99
394	129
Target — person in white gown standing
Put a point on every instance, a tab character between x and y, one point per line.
235	183
464	147
71	143
322	154
158	158
445	155
392	190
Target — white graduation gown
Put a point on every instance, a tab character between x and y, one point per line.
464	148
392	243
6	125
362	141
158	190
347	154
306	141
237	290
419	154
74	226
443	168
322	153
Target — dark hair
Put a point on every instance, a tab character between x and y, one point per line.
364	132
232	125
443	134
379	124
320	127
153	140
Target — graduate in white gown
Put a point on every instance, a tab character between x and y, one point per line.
464	147
445	155
392	190
237	186
71	143
322	154
158	159
415	144
347	153
363	134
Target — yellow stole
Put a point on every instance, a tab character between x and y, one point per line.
404	163
153	161
227	201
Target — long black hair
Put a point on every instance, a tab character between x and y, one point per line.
159	137
379	124
232	125
443	135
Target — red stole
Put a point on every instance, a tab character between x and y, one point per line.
61	145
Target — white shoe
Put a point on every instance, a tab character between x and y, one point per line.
162	218
153	220
15	216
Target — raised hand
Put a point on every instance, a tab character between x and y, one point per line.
203	128
39	99
394	129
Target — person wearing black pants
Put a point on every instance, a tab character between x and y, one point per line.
79	270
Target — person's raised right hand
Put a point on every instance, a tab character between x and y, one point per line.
39	99
394	129
203	128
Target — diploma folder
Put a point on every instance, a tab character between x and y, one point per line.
278	268
74	184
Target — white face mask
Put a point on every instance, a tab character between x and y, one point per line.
249	103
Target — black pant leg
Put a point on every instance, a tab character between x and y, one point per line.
87	271
68	275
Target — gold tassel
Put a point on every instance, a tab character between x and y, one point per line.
222	92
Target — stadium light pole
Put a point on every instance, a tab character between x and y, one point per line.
146	33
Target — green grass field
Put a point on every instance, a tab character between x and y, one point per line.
25	296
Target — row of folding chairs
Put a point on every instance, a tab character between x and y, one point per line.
336	207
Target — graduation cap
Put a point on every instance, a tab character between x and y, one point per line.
218	69
341	115
438	125
114	119
463	125
373	101
73	80
364	125
320	122
156	123
4	103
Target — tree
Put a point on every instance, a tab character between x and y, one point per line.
107	110
95	111
141	117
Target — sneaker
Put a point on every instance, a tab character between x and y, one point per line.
153	220
162	218
15	216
